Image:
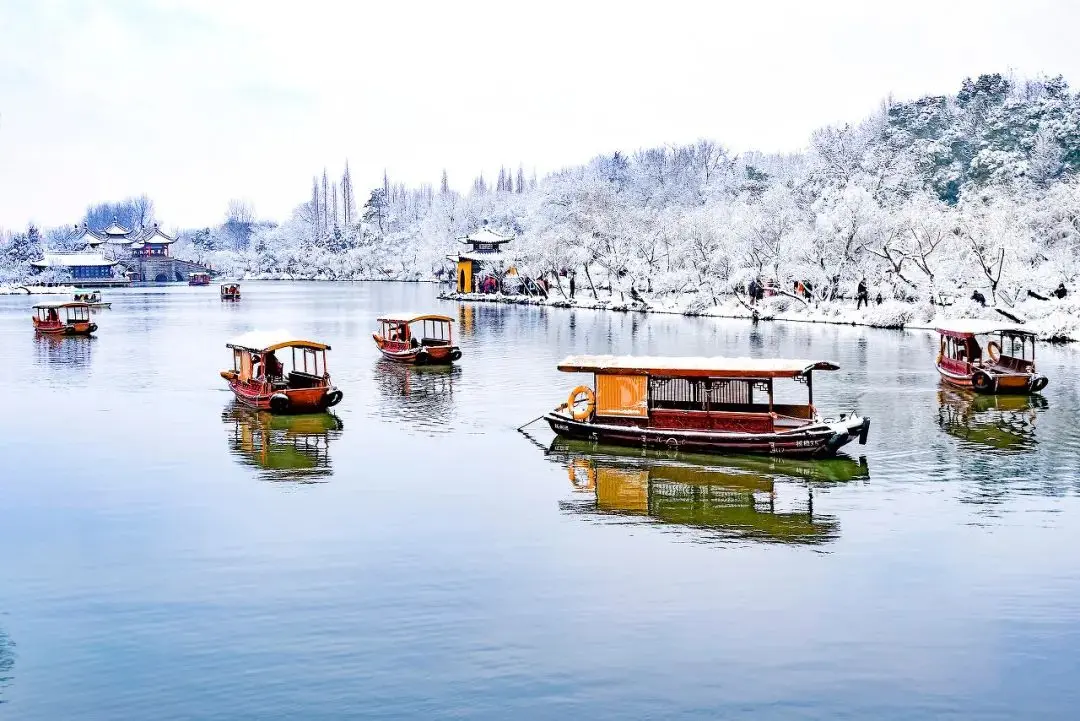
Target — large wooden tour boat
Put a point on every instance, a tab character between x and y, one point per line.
60	318
1005	365
199	279
260	380
417	339
712	405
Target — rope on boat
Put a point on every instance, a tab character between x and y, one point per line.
534	420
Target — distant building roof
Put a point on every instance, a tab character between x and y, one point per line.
72	260
485	235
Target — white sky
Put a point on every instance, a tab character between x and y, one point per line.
198	101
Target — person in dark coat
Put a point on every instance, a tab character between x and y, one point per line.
978	298
1060	292
573	286
863	297
878	299
753	291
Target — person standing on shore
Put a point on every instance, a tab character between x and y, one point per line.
863	295
572	286
753	290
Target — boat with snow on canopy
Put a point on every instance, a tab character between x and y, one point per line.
260	380
710	405
1005	365
92	298
417	338
198	279
63	318
230	291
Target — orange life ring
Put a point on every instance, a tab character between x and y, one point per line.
580	414
993	350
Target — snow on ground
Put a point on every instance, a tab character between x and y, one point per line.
37	289
1057	320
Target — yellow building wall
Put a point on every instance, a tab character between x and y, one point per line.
464	276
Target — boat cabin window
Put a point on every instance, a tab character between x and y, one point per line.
967	350
1020	347
78	314
309	361
710	394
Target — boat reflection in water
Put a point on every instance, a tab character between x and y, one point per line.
420	396
729	498
283	447
73	351
1004	423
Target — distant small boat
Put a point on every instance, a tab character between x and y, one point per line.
710	405
417	339
199	279
92	299
230	291
260	380
1008	365
60	318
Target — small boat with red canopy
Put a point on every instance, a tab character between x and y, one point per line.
417	339
260	378
230	291
60	318
199	279
1003	363
711	405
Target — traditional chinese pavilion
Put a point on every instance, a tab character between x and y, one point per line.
118	242
483	257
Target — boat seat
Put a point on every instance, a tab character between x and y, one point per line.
298	379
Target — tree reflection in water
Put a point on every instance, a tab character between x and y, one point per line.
283	448
421	397
724	498
7	662
1004	424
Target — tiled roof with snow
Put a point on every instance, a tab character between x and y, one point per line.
72	260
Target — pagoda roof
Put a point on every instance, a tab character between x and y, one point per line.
485	235
115	229
154	234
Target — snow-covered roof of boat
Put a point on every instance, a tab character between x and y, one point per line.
60	304
71	260
262	341
485	235
974	326
413	317
690	366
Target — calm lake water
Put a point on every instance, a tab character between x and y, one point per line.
164	555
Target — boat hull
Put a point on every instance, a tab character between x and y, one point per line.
299	400
995	383
420	355
65	328
813	440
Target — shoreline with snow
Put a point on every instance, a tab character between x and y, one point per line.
1056	321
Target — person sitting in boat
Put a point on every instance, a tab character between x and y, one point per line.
273	366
